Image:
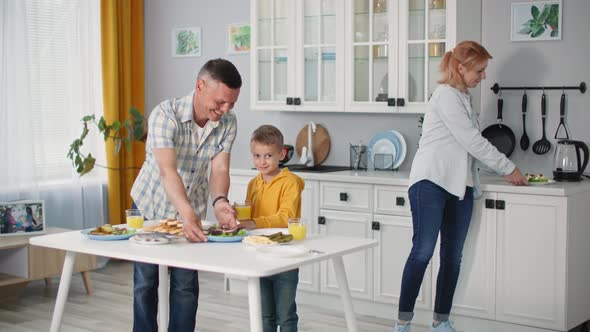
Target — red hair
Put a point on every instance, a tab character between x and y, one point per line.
467	53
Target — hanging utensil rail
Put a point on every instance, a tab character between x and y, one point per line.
497	88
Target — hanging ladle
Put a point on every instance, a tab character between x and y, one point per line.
562	119
542	146
524	140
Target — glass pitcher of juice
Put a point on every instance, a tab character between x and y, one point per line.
297	228
243	210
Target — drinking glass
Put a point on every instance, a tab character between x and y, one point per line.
134	218
243	210
298	228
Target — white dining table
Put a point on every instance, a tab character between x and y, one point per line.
227	258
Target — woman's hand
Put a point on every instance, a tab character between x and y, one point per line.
516	178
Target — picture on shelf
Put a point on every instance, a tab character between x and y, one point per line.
186	42
532	21
22	217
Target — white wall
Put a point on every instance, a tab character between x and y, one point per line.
538	63
514	63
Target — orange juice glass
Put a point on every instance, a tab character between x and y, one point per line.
243	210
134	218
297	228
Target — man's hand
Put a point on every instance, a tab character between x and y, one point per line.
193	231
225	214
516	178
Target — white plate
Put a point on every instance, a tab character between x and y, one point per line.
401	147
146	239
283	251
268	231
541	183
383	143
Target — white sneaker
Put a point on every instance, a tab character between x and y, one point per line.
402	328
446	326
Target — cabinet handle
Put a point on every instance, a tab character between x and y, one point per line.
490	204
500	205
401	102
289	100
343	197
297	101
390	101
321	220
400	201
375	225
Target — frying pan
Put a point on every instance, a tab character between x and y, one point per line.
499	134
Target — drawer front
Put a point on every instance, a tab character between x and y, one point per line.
392	200
346	196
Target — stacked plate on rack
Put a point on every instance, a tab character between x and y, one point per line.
390	149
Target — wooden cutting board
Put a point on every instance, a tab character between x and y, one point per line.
321	143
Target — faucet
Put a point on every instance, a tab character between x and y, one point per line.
307	151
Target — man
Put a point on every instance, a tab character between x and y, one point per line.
186	136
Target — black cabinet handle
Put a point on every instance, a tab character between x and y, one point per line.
375	225
401	102
400	201
297	101
390	101
490	204
500	205
321	220
343	197
289	100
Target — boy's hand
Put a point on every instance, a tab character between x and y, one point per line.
225	214
248	224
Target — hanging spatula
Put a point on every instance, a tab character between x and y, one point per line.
543	145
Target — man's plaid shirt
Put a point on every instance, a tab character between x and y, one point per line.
171	125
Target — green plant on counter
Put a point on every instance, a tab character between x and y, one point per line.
131	129
541	19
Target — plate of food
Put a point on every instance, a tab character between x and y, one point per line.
108	232
537	179
217	234
150	238
269	239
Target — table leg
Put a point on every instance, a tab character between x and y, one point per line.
163	297
344	293
255	304
63	290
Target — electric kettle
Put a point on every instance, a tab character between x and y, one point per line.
567	165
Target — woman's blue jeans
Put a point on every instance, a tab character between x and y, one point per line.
435	210
184	296
278	301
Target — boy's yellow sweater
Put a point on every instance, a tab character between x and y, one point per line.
273	203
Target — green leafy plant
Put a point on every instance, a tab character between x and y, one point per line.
120	132
541	20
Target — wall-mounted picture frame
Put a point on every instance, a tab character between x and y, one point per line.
22	218
533	21
186	42
238	38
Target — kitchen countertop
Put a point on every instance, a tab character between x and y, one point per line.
489	183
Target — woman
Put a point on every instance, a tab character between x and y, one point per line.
444	181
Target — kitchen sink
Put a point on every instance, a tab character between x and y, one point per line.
317	168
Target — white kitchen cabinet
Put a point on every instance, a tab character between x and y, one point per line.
531	260
352	55
395	242
476	287
309	275
358	266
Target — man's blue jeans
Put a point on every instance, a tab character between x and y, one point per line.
278	301
435	210
184	296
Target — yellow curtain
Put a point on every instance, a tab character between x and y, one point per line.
123	87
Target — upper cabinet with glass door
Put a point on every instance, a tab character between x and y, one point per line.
395	48
297	55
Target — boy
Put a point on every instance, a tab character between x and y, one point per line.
275	196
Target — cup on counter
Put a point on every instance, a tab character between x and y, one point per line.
298	228
243	210
134	218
